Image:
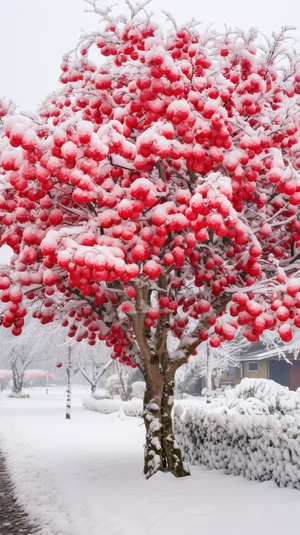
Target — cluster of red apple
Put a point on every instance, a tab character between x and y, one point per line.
176	157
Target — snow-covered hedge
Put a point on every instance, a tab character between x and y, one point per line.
257	437
277	398
134	407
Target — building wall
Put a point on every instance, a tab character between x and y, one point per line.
265	370
294	375
260	373
231	377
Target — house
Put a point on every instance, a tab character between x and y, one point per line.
280	365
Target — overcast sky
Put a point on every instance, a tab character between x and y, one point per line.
36	33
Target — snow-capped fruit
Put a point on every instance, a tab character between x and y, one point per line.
172	305
130	292
132	271
229	331
69	150
282	313
202	306
140	252
178	111
153	313
148	322
288	301
48	246
285	332
127	307
215	341
255	250
49	277
4	283
16	294
168	259
163	301
146	234
203	335
56	217
259	325
240	298
84	131
152	269
125	209
253	308
140	187
265	230
293	286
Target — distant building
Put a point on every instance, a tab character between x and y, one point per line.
260	362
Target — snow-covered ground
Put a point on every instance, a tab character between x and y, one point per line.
84	476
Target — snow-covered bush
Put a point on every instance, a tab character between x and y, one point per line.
276	397
134	407
257	437
138	389
113	386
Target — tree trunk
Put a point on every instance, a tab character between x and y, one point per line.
18	377
161	451
171	449
69	385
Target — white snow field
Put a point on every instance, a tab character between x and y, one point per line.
84	477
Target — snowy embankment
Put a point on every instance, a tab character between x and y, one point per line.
252	430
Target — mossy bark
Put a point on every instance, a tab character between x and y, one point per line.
161	450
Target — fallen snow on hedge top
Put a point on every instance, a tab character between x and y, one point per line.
275	397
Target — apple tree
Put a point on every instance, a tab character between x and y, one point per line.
156	192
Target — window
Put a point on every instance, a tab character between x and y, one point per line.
252	366
231	371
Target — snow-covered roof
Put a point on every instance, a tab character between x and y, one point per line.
263	353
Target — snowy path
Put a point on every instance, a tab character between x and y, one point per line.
13	519
84	476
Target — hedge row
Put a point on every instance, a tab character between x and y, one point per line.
134	407
259	447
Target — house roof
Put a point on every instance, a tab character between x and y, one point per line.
258	351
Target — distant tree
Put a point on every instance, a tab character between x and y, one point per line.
18	354
53	348
157	190
93	364
19	362
210	363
